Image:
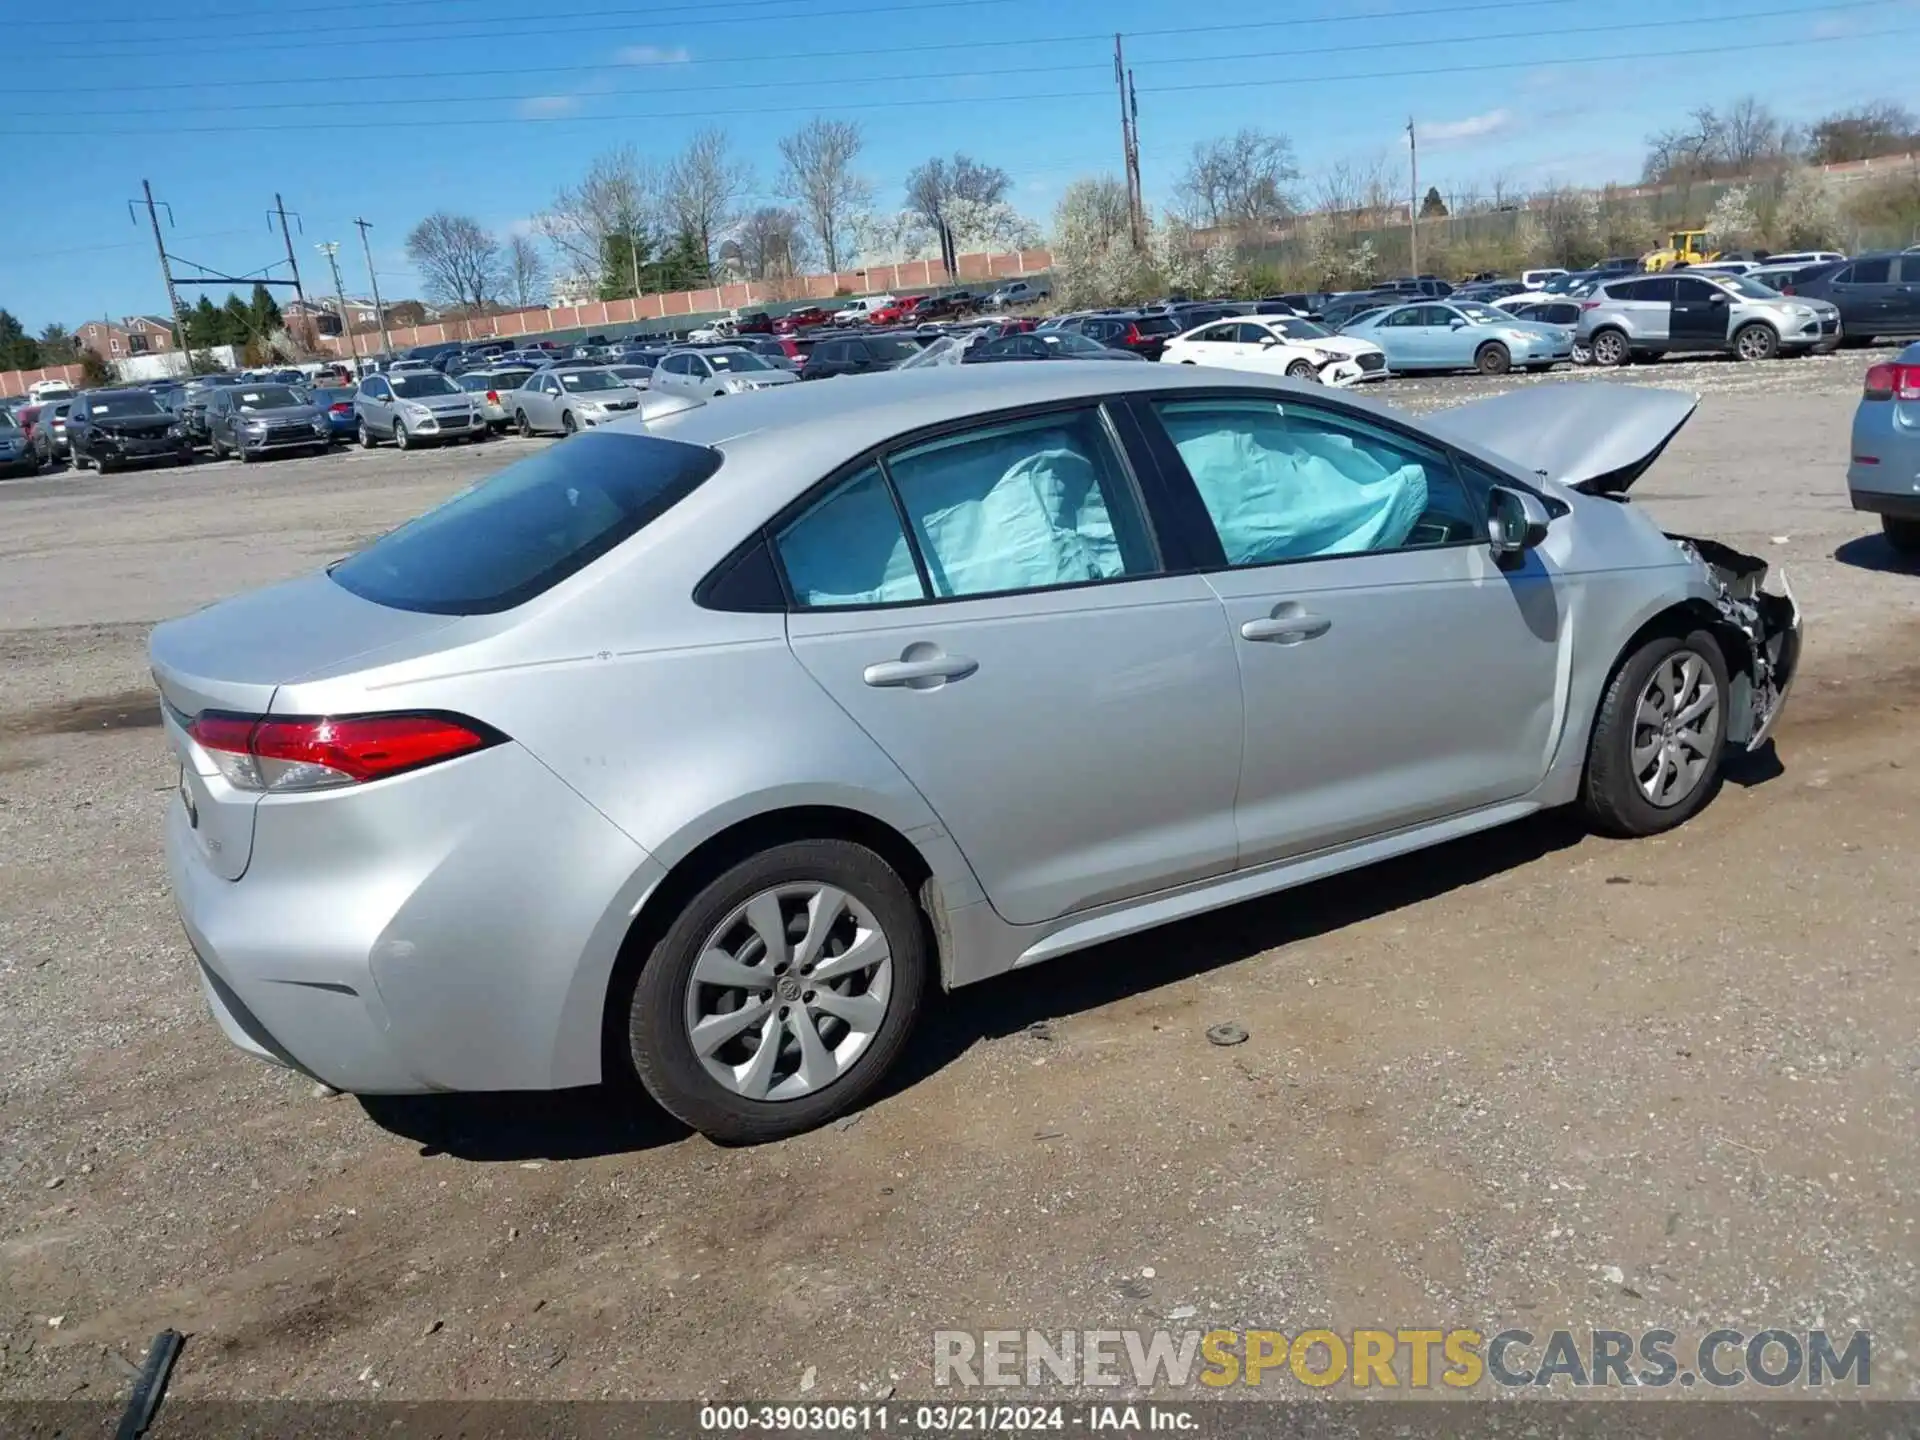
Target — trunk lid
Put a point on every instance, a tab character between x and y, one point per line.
234	656
1592	436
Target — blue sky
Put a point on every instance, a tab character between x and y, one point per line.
222	102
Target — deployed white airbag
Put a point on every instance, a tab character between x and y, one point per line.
1280	492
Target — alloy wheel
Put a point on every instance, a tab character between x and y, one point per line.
1676	728
788	992
400	434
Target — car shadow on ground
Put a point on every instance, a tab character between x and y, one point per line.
617	1119
1872	552
1141	963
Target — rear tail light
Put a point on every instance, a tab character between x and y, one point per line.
493	397
1589	304
1133	335
340	407
1893	381
282	754
1786	289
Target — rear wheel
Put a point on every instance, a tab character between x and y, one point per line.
1654	756
1493	358
1756	340
782	993
1302	370
219	450
1608	347
1903	535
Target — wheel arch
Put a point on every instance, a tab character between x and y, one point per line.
726	847
1671	617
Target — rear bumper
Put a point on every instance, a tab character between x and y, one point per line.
451	929
1876	502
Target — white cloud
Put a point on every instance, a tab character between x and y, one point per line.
652	55
1473	127
537	107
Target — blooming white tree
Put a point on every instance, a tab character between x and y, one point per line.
1807	217
1731	224
891	237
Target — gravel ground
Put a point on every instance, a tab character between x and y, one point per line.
1534	1079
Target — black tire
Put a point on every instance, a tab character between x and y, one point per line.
1756	340
1902	535
219	450
1610	793
1609	347
106	465
80	462
1493	358
657	1041
520	423
367	442
1303	370
568	425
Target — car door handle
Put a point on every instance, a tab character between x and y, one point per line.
1291	629
921	674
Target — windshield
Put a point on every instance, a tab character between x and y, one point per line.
418	385
528	527
736	360
1746	285
579	381
1300	329
113	406
1069	342
1485	314
266	397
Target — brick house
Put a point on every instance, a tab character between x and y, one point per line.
134	335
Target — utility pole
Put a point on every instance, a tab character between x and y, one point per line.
1413	203
1129	147
280	209
386	344
331	249
166	268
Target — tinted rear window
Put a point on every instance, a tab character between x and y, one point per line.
529	527
1159	324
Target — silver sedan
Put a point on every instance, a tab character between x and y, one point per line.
718	371
716	746
570	398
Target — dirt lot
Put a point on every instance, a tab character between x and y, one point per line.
1534	1078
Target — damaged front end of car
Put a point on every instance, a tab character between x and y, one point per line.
1759	630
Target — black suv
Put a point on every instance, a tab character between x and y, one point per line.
111	428
1876	294
857	355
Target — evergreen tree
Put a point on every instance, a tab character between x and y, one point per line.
18	350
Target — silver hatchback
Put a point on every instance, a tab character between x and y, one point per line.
412	407
1646	315
713	747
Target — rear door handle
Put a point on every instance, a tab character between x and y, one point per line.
920	674
1287	629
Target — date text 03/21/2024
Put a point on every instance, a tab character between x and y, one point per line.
722	1420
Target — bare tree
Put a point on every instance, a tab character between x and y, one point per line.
1239	181
608	217
458	259
816	173
1863	133
937	187
771	241
1744	138
526	271
704	188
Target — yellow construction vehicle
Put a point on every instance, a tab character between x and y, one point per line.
1688	247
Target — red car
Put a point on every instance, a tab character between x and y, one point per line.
899	312
804	318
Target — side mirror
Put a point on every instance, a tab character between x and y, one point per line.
1516	522
1456	323
1268	342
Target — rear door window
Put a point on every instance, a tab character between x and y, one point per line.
528	527
1868	272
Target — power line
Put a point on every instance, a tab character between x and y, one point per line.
440	32
388	6
923	48
921	102
815	81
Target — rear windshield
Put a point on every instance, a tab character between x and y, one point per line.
529	527
417	384
1158	325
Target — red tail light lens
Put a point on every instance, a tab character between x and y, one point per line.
1893	381
1589	304
293	753
340	407
1133	334
493	397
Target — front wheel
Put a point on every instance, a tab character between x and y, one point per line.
782	993
567	423
1756	341
1493	358
1654	756
366	436
80	462
1903	535
522	425
401	439
1302	370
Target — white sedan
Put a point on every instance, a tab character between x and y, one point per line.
1279	345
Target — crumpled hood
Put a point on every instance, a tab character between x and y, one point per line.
1589	435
